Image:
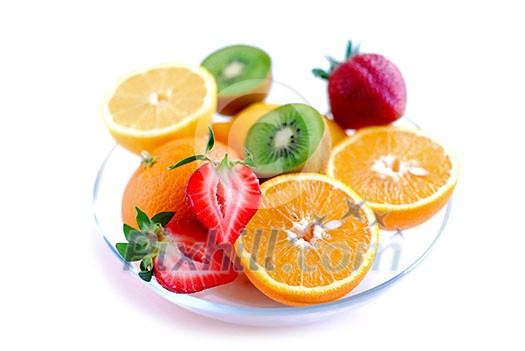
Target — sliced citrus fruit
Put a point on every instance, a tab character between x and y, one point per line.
312	240
147	108
405	176
154	188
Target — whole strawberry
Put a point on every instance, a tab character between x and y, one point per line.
365	90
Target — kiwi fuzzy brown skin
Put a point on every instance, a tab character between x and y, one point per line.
231	105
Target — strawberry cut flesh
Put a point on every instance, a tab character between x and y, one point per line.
190	238
224	199
187	263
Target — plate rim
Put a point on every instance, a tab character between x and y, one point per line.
192	302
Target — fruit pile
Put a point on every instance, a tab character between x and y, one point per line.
290	198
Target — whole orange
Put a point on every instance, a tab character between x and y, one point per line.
154	188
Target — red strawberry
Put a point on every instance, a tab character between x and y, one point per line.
179	255
190	237
224	196
365	90
187	266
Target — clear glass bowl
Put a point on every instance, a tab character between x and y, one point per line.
239	302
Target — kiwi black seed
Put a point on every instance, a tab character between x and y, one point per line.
243	76
284	139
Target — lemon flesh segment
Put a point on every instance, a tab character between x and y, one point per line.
148	108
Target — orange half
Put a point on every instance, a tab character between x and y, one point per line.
312	240
404	175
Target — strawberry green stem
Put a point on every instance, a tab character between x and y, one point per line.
223	164
189	160
351	50
320	73
144	244
227	163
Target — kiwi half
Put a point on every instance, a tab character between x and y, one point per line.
290	138
243	76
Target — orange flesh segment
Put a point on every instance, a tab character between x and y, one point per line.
283	238
393	168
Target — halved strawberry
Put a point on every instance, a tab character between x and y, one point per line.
179	255
190	237
224	196
185	266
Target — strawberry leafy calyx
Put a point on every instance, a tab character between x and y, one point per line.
351	50
144	244
223	164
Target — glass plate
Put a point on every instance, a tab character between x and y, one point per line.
239	302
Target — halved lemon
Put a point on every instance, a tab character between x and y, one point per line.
312	240
149	107
405	175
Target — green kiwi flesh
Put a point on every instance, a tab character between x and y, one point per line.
283	140
238	69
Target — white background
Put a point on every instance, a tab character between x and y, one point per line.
62	288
